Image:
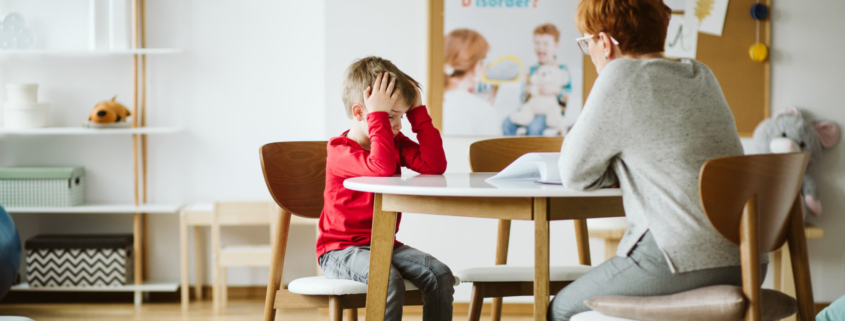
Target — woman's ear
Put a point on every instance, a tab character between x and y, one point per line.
606	45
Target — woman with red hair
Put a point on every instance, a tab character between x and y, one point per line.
648	125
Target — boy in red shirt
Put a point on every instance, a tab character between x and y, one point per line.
376	95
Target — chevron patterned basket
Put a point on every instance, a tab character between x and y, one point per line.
79	260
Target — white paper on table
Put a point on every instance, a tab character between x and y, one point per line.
709	15
681	40
540	166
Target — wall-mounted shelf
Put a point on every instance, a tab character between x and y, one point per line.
99	209
88	53
145	287
90	131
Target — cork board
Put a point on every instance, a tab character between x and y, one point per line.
746	83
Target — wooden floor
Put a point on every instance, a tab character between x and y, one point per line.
242	309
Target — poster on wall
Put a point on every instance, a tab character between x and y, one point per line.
709	14
511	68
681	38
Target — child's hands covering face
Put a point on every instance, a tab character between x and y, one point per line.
418	99
380	96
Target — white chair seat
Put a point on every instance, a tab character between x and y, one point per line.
595	316
510	273
320	285
15	319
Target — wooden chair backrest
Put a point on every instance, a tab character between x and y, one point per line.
726	184
493	155
295	173
241	214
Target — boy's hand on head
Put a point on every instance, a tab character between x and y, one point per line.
380	96
418	99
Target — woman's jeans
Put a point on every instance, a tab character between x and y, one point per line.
535	128
433	278
644	272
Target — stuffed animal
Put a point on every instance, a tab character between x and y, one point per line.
548	105
788	132
108	113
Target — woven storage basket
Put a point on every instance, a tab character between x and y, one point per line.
42	186
79	260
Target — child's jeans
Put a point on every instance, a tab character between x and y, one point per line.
535	128
432	277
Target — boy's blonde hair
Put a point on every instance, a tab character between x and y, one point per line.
548	29
363	73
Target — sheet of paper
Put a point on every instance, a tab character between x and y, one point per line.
709	15
681	40
539	166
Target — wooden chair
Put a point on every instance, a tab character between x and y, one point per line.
295	173
238	214
754	202
493	155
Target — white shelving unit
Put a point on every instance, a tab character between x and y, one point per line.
88	53
90	131
139	208
146	287
99	209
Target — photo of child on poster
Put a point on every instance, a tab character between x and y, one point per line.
511	68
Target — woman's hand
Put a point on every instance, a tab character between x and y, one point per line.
380	96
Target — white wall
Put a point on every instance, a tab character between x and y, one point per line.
255	71
807	72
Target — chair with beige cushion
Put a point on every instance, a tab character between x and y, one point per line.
295	173
503	280
754	202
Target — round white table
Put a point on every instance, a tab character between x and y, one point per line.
470	195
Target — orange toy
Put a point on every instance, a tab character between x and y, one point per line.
109	112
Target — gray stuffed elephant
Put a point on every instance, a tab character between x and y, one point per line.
789	132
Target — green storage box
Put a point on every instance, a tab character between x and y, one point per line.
41	186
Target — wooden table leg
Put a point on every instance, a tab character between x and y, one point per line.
582	240
541	258
183	257
381	252
198	262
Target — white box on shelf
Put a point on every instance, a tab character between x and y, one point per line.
98	25
26	115
119	19
22	93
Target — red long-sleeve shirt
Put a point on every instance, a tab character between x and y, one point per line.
347	218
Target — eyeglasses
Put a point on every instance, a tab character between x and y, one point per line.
585	46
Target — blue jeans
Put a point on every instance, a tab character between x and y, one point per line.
535	128
433	278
